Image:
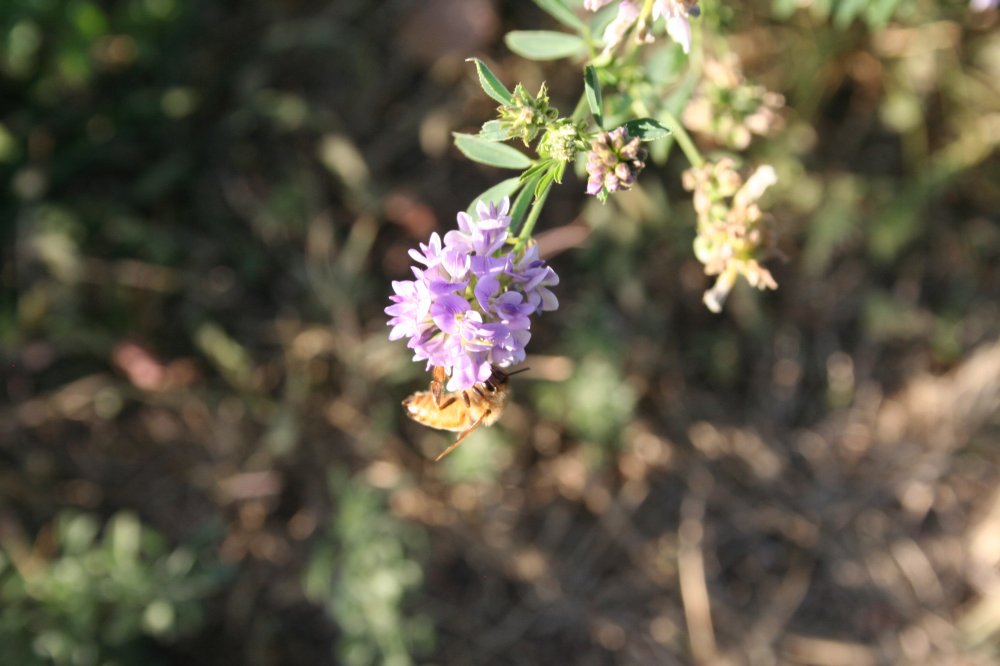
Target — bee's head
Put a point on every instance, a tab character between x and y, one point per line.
500	377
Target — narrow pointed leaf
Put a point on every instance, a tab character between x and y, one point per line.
558	171
489	152
520	206
535	169
646	129
544	183
504	188
544	44
592	88
490	83
558	10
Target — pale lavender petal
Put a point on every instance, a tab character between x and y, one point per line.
455	262
442	287
679	29
486	289
465	222
628	12
445	312
549	300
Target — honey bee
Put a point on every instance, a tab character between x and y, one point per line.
462	411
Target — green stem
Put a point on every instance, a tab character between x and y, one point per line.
677	131
683	138
581	109
529	224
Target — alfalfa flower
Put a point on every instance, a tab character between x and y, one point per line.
614	33
471	303
729	109
676	15
732	238
614	162
983	5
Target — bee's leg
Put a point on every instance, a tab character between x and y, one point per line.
465	396
437	387
462	435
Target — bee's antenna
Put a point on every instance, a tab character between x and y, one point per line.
505	375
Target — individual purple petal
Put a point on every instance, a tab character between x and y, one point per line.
429	254
482	266
455	262
446	311
464	222
615	31
549	300
492	216
469	370
458	240
679	29
443	288
486	289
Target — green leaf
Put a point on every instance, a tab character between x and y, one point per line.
490	83
592	88
493	131
544	44
535	169
491	153
544	183
504	188
646	129
558	170
520	206
558	10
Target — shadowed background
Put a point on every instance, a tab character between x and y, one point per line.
203	458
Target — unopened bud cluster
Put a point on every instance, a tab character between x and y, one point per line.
614	162
729	109
732	237
561	141
525	116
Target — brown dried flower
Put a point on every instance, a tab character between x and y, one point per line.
732	239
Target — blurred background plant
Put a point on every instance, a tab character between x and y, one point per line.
361	571
204	204
72	599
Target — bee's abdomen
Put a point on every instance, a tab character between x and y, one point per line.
421	408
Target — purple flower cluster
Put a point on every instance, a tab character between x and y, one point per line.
470	305
614	162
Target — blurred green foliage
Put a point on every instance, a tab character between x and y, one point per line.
363	570
97	597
